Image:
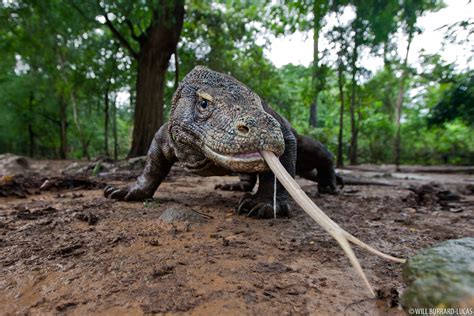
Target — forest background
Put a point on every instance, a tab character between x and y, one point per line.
88	79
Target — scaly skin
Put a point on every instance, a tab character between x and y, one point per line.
218	126
313	162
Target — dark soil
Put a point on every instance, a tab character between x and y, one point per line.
73	251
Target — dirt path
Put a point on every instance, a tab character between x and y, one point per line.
79	253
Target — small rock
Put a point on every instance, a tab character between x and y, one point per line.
456	209
13	165
441	276
409	210
153	242
66	306
68	250
162	271
175	214
390	296
90	218
117	239
297	290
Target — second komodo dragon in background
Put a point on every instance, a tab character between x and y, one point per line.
218	126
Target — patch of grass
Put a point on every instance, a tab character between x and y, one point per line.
151	203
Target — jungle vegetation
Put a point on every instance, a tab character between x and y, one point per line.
67	65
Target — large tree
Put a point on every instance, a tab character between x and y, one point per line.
320	9
372	25
411	10
305	16
339	37
150	33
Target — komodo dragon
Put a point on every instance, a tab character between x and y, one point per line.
313	162
217	126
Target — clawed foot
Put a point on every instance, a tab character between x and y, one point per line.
328	189
125	193
115	193
253	206
327	184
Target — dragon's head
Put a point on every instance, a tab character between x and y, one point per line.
225	120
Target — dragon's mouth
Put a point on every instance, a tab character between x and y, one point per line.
246	156
241	157
241	162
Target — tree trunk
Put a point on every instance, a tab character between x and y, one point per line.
82	136
132	100
114	127
385	47
106	121
153	58
75	115
316	80
353	148
387	99
176	69
401	92
148	116
340	155
62	128
31	134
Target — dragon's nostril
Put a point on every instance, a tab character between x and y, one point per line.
243	129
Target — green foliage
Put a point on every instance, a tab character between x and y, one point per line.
57	54
56	58
457	102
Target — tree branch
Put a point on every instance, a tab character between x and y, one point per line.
82	13
176	68
123	41
120	38
132	32
49	118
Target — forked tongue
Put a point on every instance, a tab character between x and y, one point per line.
339	234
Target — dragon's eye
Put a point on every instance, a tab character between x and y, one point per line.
203	108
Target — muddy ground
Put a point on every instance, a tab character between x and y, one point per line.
72	251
